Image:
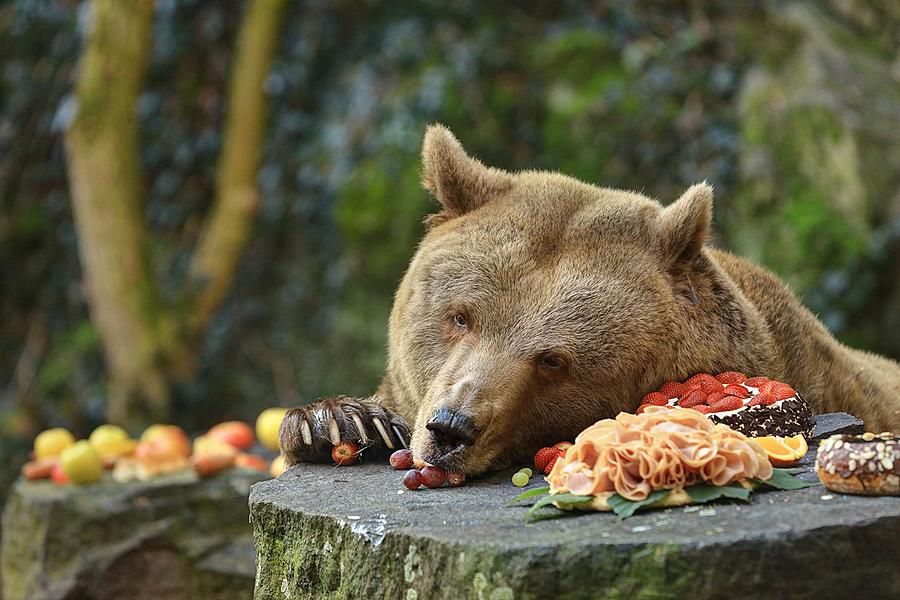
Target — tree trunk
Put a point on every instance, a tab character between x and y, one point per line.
104	170
147	345
218	254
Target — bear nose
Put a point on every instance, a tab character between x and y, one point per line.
451	428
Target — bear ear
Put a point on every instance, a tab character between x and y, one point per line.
684	228
459	182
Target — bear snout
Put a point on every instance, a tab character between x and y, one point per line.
451	429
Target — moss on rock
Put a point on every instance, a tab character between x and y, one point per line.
174	537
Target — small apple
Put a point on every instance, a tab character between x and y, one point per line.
57	475
251	461
207	446
39	469
111	441
267	425
52	442
278	466
81	463
210	464
168	439
236	433
345	453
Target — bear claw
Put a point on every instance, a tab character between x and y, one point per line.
308	433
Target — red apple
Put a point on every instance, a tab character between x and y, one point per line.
236	433
169	440
58	476
251	461
345	453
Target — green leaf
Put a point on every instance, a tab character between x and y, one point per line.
551	498
625	508
781	479
702	492
528	494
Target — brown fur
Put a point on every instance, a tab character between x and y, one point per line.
577	300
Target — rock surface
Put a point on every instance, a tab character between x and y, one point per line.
176	537
348	532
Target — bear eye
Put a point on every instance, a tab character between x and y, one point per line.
552	361
460	321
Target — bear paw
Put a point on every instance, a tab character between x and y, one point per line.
308	433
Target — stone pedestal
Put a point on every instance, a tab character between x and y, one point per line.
348	532
176	537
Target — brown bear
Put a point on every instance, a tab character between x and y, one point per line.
537	304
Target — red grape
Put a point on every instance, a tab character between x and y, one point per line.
402	459
412	480
456	479
433	477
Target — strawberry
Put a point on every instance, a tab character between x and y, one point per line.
673	389
731	377
783	391
710	386
702	408
692	398
543	456
768	386
699	378
762	399
727	403
655	398
757	381
549	466
563	446
715	397
736	390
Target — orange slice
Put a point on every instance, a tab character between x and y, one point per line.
783	451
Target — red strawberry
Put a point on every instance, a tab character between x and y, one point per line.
731	377
736	390
768	386
702	408
699	378
757	381
692	398
726	403
563	446
655	398
543	456
673	389
715	397
783	391
762	399
550	464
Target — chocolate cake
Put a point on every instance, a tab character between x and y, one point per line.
755	407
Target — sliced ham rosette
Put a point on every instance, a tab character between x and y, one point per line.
661	448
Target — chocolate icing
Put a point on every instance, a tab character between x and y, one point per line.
791	417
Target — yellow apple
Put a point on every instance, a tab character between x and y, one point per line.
167	439
278	466
81	463
111	440
52	442
267	425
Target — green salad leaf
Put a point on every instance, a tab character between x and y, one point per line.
530	494
625	508
703	492
551	498
783	480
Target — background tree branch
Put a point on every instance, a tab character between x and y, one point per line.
223	239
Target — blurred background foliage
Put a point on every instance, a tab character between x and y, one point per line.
790	109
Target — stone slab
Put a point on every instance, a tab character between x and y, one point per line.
355	532
175	537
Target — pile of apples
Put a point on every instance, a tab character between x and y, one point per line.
160	449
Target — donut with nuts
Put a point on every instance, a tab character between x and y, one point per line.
860	464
